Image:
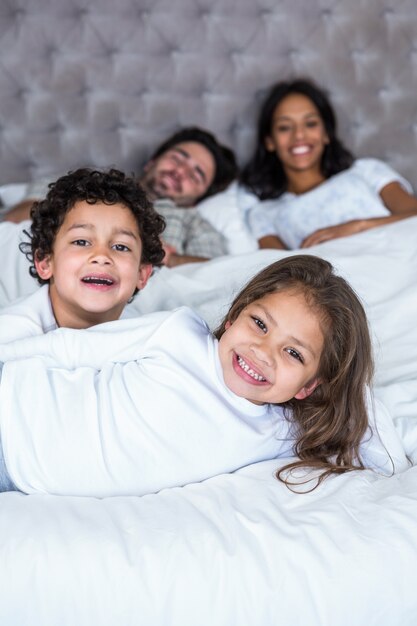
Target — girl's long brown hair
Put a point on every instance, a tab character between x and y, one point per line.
329	424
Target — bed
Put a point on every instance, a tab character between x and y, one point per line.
101	83
240	548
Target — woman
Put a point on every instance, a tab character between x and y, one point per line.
314	189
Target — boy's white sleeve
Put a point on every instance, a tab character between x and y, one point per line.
14	328
118	341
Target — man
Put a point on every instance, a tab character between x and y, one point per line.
189	166
186	168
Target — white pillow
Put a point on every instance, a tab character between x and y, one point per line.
226	212
12	194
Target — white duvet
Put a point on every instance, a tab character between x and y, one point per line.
240	549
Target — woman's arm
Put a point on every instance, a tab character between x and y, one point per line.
399	202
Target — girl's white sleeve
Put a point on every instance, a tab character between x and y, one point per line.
382	448
118	341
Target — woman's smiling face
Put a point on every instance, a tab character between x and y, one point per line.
271	352
298	135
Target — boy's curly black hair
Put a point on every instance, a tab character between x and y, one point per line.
91	185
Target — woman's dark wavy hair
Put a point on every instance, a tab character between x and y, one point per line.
264	174
330	423
91	185
224	157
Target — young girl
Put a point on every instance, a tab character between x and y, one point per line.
159	401
315	189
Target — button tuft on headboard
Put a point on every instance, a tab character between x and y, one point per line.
120	76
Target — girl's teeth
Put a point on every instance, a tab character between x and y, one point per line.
249	370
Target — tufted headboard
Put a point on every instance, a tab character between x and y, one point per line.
101	82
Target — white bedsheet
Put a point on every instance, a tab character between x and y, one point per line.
237	550
240	549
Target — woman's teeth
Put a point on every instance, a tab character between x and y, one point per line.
301	150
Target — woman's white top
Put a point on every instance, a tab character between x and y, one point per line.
349	195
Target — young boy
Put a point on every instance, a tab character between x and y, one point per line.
93	243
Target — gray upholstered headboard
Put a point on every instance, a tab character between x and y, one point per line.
101	82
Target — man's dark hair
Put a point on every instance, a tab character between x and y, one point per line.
93	186
224	157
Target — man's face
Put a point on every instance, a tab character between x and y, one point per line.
183	173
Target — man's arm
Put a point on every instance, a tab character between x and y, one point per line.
173	259
20	212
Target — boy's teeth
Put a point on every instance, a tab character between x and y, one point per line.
99	281
249	370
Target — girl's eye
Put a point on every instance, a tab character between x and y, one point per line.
260	323
295	354
80	242
120	247
283	129
312	124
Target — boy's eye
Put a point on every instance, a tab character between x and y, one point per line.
295	354
80	242
260	323
120	247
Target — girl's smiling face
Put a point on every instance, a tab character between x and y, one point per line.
271	352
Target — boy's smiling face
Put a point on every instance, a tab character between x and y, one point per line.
95	265
271	352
